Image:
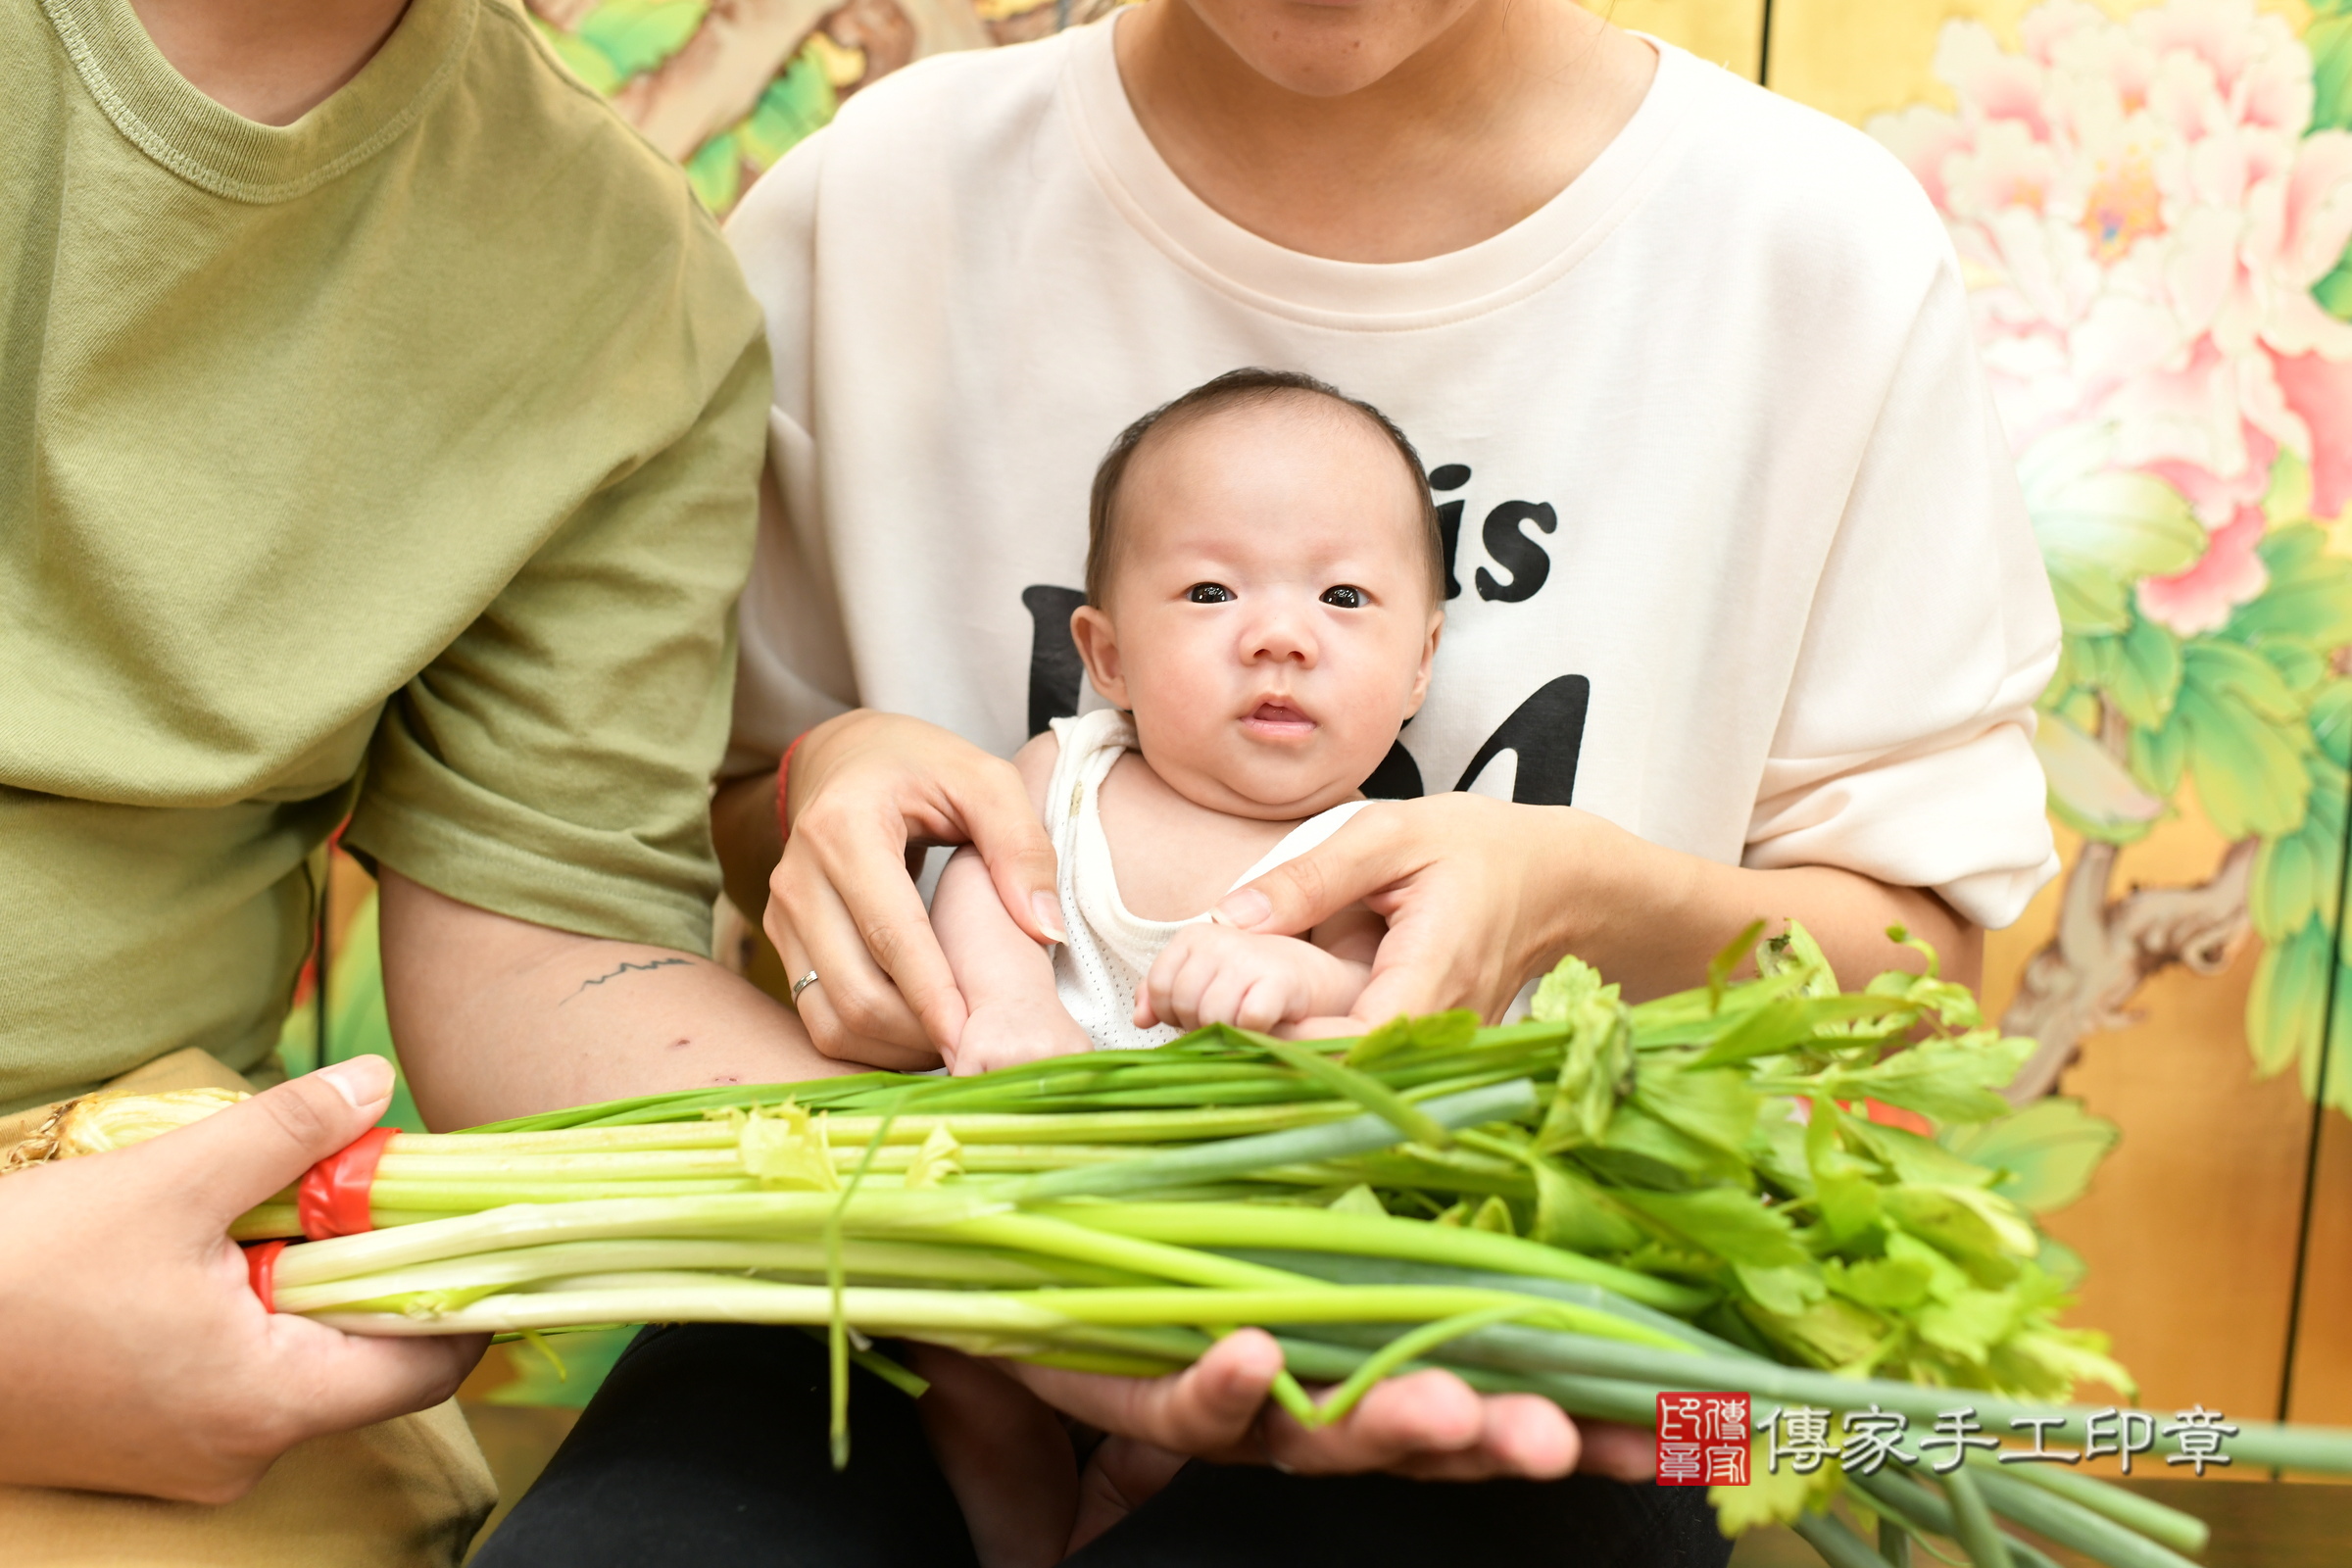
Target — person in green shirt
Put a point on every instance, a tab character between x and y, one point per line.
380	427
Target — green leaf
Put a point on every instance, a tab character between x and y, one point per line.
584	61
2294	877
2139	670
1847	1196
2090	790
1831	1332
2329	42
2247	739
636	35
1967	1223
1788	1288
794	107
1914	1158
1734	1225
2159	756
1572	1214
2286	1007
1715	1106
1971	1324
1786	1022
2101	529
1889	1283
2332	723
1719	967
2045	1154
1641	1150
1432	1032
1366	1091
2308	601
1949	1079
715	172
1772	1498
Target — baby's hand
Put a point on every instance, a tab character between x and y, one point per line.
1214	974
1000	1032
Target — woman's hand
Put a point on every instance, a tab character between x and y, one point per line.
138	1358
867	792
1481	895
1429	1425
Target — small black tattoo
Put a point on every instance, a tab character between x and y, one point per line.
626	969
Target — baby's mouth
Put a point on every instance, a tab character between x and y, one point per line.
1279	718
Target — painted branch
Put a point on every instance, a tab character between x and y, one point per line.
2083	979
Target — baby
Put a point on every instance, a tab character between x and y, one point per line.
1264	590
1264	583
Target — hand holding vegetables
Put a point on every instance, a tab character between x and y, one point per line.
137	1357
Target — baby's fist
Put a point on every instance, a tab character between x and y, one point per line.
1214	974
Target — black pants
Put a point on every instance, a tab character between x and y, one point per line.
706	1448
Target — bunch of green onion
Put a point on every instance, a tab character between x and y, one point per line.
1597	1206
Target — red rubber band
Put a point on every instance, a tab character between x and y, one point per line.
333	1198
784	772
260	1271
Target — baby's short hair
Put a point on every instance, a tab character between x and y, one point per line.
1243	388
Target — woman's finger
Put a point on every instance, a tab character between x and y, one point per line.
851	1011
1376	849
1402	1421
866	900
1000	823
1207	1411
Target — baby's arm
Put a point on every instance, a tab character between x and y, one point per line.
1008	980
1211	973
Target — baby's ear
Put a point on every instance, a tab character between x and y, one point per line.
1429	654
1099	646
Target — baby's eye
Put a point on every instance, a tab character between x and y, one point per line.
1344	596
1209	593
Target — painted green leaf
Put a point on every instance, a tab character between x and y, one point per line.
2309	599
2045	1154
2295	875
717	173
791	109
2286	1007
2101	529
2332	723
2159	756
2330	41
2245	740
2092	792
636	35
583	60
2139	671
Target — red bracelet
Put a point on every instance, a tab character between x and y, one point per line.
332	1199
784	772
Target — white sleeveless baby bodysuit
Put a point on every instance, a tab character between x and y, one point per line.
1110	951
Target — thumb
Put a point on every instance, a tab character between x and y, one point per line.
1363	856
1019	858
236	1157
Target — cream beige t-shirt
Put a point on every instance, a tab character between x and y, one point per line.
399	461
1737	558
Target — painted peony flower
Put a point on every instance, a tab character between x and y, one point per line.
2141	216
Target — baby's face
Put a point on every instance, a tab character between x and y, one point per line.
1270	623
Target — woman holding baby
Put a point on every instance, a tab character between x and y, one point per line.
1692	555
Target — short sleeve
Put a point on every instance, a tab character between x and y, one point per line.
794	669
554	761
1906	748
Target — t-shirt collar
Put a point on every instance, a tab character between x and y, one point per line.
1314	289
229	154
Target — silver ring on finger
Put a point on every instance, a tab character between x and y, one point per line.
800	985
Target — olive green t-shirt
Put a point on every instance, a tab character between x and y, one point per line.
399	463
